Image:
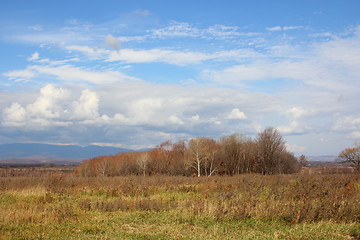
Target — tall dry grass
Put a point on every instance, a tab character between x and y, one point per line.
290	198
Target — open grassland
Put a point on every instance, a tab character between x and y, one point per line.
160	207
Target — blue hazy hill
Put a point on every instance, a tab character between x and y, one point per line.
48	151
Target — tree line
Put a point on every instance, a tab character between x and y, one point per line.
229	155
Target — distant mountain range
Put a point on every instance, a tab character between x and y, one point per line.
322	158
37	153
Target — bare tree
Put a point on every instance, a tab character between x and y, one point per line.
202	156
270	147
236	154
352	156
210	161
142	162
196	157
303	162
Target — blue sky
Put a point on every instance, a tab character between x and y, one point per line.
137	73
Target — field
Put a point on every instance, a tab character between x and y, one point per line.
61	206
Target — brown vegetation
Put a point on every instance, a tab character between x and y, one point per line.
230	155
292	198
36	171
352	156
296	206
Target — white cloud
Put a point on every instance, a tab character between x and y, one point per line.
295	114
183	29
158	55
214	120
144	110
91	52
176	57
175	119
112	42
236	114
68	73
107	144
331	65
296	148
180	58
347	123
263	70
120	118
35	56
20	75
15	115
176	29
36	27
275	28
53	107
293	86
87	106
47	104
284	28
291	129
323	34
355	135
46	110
196	117
52	38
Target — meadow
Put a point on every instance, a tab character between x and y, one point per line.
249	206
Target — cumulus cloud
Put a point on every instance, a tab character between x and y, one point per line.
87	106
115	104
297	112
47	107
141	109
144	110
47	104
54	107
295	115
15	115
236	114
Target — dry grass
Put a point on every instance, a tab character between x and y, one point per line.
250	206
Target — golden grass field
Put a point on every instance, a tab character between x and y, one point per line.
323	206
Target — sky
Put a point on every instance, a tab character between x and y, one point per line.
135	73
